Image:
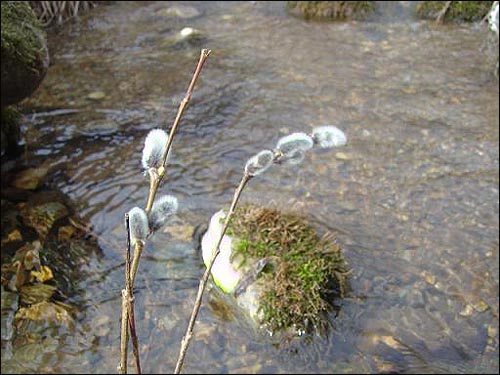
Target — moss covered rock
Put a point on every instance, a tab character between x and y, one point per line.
457	11
277	267
24	52
10	132
330	10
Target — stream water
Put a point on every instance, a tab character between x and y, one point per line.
413	197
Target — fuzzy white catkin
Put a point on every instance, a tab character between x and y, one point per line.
154	148
328	136
259	163
295	142
162	209
139	227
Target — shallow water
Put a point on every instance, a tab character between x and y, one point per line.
413	196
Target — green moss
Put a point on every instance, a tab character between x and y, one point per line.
18	38
469	11
333	10
306	272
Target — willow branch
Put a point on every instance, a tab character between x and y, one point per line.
189	331
130	303
156	176
135	262
155	182
122	367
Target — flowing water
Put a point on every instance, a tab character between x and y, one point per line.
413	196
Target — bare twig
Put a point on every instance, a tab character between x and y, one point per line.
135	262
122	367
155	182
131	301
197	304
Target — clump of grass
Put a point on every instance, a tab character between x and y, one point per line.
307	270
331	10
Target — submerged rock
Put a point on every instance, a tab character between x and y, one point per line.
277	267
31	178
43	211
179	11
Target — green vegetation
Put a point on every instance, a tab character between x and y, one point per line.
306	271
332	10
469	11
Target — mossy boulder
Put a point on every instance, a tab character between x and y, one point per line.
24	52
277	266
10	131
330	10
457	11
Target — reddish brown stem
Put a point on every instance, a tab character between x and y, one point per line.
203	282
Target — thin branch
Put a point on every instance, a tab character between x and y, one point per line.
122	367
155	182
189	331
135	262
130	303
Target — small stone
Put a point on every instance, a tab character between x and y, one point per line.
102	325
409	90
42	217
179	11
342	156
467	311
180	232
492	332
96	95
31	178
15	235
65	233
187	31
429	279
481	306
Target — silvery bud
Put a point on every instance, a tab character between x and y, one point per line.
289	144
259	163
328	136
154	148
138	222
161	211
